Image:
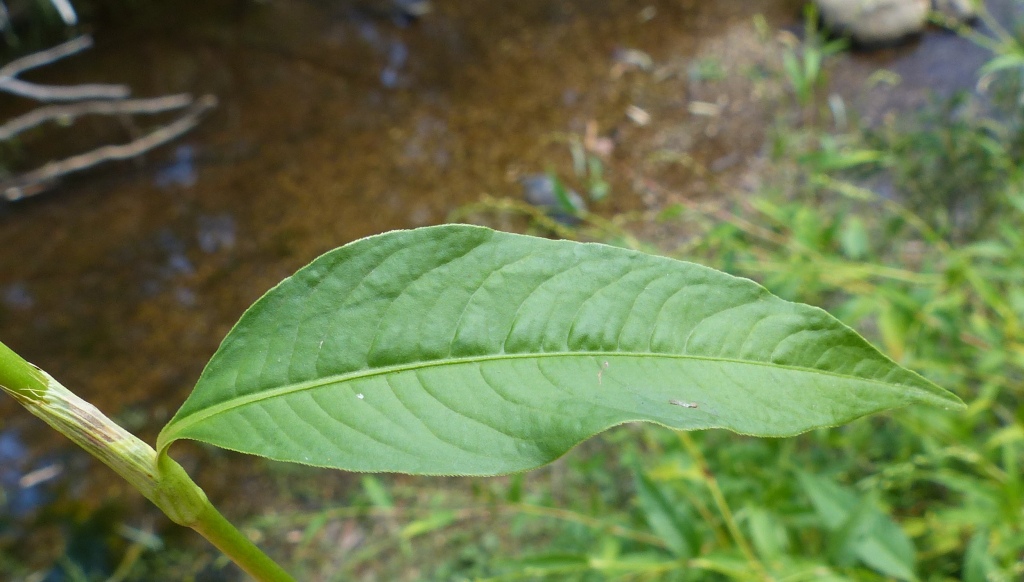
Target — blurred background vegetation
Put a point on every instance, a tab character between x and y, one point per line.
886	187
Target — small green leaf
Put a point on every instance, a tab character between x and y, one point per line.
377	493
888	551
832	502
433	522
854	238
845	540
1010	60
562	196
978	562
732	565
461	350
668	519
859	530
552	564
767	533
670	212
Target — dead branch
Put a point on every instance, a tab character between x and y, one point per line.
63	7
37	180
45	57
9	82
71	112
103	99
48	93
66	11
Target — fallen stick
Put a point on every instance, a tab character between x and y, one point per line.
48	93
36	181
9	82
100	107
45	57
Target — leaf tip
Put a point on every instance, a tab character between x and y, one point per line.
927	392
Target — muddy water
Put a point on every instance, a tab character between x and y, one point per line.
336	120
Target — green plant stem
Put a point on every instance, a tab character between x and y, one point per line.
723	506
234	544
19	378
158	477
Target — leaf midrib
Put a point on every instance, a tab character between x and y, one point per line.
165	438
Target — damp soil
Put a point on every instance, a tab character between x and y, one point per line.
338	120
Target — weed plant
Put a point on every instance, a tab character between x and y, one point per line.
914	232
944	297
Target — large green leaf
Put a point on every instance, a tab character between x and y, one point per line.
461	350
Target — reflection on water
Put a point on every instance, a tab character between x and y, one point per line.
181	171
23	479
215	233
17	296
337	120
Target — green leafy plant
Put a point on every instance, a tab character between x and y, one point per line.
589	168
802	63
458	350
856	219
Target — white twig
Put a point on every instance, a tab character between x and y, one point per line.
49	93
11	84
66	11
101	99
35	181
45	57
104	107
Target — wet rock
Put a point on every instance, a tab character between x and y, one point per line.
215	232
540	190
179	172
883	22
401	12
874	22
17	296
406	12
630	58
413	8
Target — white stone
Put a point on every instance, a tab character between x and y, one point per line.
879	22
874	21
